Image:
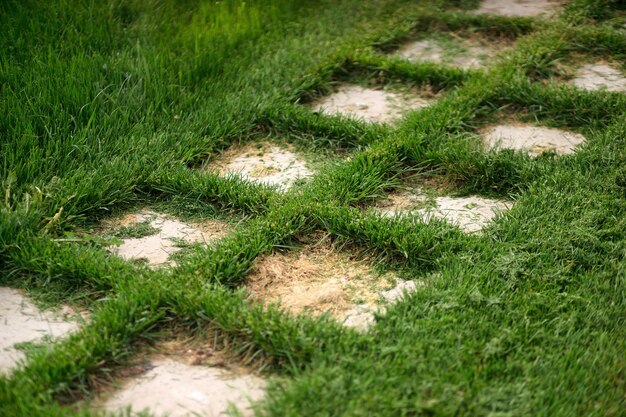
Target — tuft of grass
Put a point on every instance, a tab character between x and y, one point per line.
137	230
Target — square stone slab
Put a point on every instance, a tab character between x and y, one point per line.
21	321
262	163
368	104
177	389
468	55
524	8
596	77
470	214
532	139
159	246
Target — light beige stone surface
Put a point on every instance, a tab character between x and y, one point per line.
269	165
21	321
368	104
600	77
471	214
524	8
431	51
179	390
157	248
532	139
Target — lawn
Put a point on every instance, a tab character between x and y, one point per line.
116	107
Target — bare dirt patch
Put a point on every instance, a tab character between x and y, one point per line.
184	381
262	163
468	54
471	214
319	279
21	321
371	105
528	8
316	279
596	77
156	248
532	139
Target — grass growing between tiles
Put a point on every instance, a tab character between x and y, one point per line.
111	106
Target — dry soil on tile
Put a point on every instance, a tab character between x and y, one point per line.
21	321
181	384
262	163
532	139
600	77
316	279
371	105
471	214
527	8
319	279
157	248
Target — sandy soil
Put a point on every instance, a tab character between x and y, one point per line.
528	8
470	214
157	248
319	279
534	140
600	77
262	163
177	389
316	279
371	105
21	321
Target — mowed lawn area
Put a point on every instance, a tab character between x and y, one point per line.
313	208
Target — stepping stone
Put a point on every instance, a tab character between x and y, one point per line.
470	214
474	56
263	163
596	77
156	248
318	280
177	389
532	139
368	104
524	8
21	321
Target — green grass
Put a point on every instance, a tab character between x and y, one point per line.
108	106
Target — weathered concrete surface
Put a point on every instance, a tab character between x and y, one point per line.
596	77
21	321
475	56
380	106
157	248
527	8
179	390
532	139
264	163
471	214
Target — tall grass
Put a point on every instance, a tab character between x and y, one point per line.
108	105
